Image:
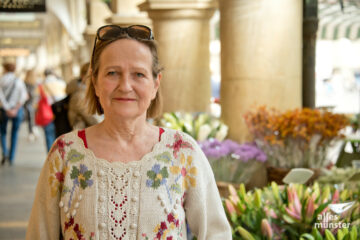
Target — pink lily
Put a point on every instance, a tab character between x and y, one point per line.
336	196
294	208
233	195
310	209
270	212
293	213
230	207
266	228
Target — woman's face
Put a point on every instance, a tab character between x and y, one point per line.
125	84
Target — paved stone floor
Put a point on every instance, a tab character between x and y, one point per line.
17	185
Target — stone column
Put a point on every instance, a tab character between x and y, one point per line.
261	46
181	29
97	13
127	13
310	28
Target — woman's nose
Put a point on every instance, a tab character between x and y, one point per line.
125	83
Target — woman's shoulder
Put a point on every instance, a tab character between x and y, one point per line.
66	140
180	138
173	133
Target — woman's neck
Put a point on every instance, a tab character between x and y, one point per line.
124	130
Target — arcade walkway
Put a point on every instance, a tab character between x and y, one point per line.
17	185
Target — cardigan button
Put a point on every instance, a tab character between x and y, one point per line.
133	226
66	209
102	225
101	198
77	205
101	173
73	213
162	203
159	197
80	197
61	204
136	174
134	199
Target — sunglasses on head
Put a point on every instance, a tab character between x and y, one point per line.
113	32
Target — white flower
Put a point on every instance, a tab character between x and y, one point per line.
204	132
222	133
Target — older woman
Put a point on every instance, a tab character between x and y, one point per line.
124	178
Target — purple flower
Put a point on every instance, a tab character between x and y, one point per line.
81	177
244	152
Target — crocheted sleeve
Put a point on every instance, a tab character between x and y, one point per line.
44	222
204	210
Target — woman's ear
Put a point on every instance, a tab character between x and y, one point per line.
93	81
157	84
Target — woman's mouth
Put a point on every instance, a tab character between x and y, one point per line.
125	99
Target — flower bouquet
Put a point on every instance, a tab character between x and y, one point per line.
293	212
232	162
200	126
295	138
343	178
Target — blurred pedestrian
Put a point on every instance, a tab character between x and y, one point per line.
78	115
13	95
30	83
54	88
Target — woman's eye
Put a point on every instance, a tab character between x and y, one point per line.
140	75
111	73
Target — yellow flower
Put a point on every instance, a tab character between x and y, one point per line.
186	170
57	174
159	176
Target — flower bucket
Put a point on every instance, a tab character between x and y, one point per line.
223	188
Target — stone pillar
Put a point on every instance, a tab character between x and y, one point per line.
310	28
261	50
182	29
97	13
127	13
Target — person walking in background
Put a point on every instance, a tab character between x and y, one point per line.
78	115
30	83
13	95
54	88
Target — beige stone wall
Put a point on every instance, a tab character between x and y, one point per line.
261	44
182	32
126	13
98	13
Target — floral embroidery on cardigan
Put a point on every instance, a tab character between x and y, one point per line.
60	145
76	229
165	229
157	176
57	175
186	171
81	177
179	144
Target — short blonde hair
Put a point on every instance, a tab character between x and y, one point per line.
93	103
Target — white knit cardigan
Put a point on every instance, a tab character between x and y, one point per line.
80	196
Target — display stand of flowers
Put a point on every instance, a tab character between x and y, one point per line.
294	211
232	162
294	138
